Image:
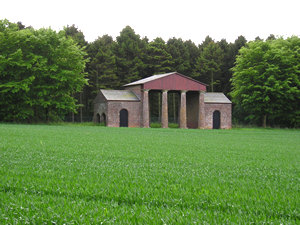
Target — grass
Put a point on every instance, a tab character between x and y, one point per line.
93	175
158	125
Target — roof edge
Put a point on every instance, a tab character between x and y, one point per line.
166	75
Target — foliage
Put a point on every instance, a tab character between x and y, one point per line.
76	34
40	70
208	64
130	56
94	175
180	55
266	81
158	59
112	63
102	68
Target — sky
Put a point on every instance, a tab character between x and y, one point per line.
186	19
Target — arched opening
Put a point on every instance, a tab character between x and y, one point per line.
123	118
103	119
155	105
98	118
216	119
192	109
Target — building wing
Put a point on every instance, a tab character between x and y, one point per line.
119	95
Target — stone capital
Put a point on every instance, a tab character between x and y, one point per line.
183	91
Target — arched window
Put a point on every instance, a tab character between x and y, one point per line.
123	118
216	119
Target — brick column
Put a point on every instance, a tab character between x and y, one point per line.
164	109
201	111
182	121
146	108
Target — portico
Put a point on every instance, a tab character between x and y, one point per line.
166	83
194	107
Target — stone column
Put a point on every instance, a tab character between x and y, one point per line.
201	112
164	109
182	121
146	108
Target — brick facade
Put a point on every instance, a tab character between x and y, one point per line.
196	107
134	113
225	111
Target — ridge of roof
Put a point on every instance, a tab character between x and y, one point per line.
158	76
148	79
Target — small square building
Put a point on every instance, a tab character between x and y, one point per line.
131	108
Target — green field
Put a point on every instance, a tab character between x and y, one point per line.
92	175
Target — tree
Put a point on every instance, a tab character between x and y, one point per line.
129	52
75	34
158	60
102	66
180	55
208	65
194	53
40	70
266	81
78	37
230	51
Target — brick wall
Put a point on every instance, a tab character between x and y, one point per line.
225	110
100	106
134	113
137	89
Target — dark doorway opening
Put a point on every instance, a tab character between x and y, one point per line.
192	109
216	119
123	118
103	119
98	118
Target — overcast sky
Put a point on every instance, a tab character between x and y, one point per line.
186	19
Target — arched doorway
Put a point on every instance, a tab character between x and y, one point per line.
103	119
98	118
123	118
216	119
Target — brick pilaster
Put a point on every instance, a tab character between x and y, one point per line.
182	121
146	108
201	118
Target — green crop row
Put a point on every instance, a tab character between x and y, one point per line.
93	175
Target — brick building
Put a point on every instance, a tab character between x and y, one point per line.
130	107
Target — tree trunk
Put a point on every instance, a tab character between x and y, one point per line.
212	81
47	114
80	100
265	121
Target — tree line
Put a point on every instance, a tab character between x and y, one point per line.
113	63
66	72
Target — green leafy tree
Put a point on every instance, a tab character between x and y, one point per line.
83	96
75	34
40	70
266	82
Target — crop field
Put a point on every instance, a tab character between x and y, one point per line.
70	174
